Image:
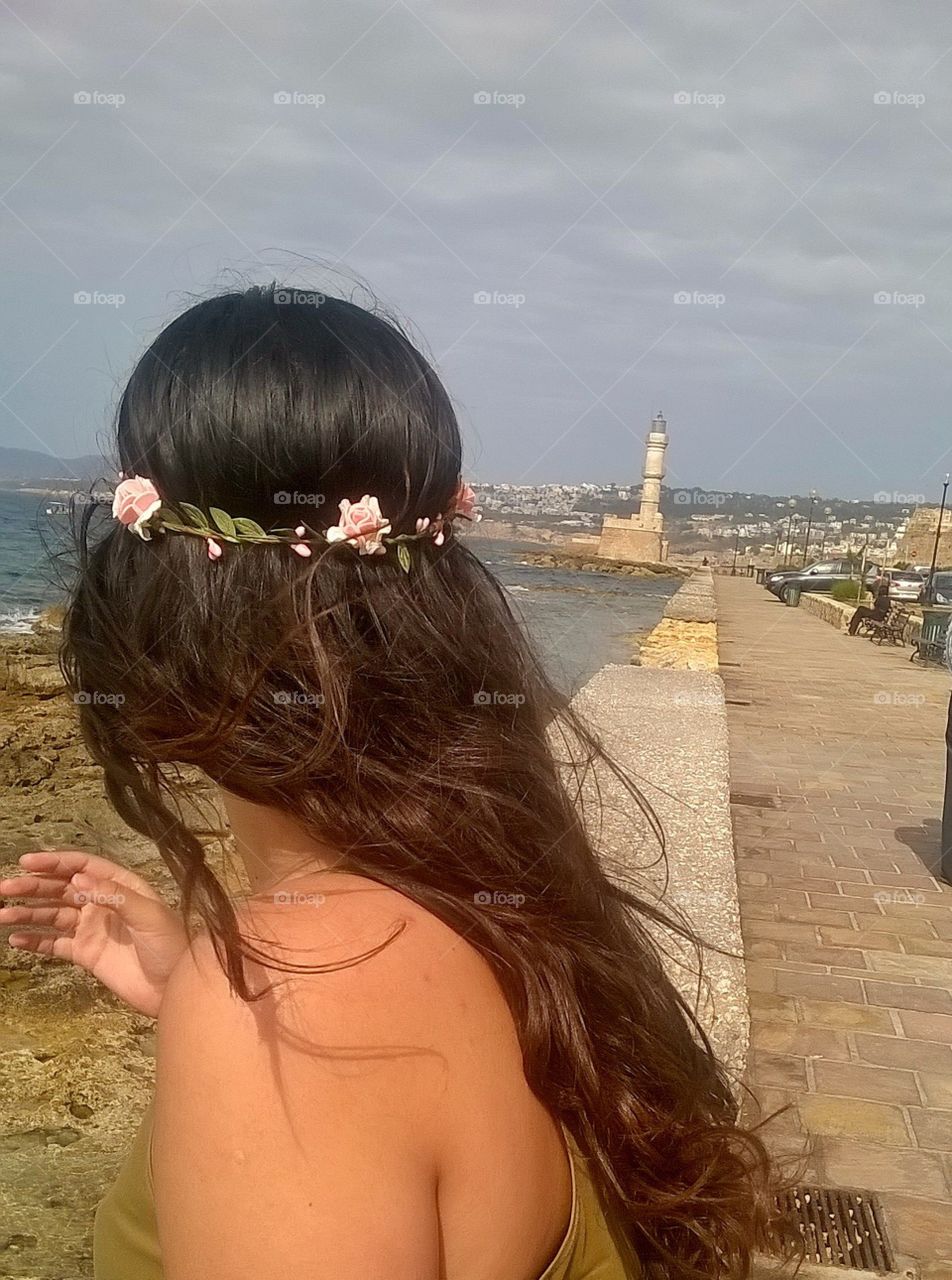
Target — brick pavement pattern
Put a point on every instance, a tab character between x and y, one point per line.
837	772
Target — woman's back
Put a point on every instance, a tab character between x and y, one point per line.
382	1104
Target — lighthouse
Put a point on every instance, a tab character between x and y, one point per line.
655	446
639	539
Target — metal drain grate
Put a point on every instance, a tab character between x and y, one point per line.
839	1227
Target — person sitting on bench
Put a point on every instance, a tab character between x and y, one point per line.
879	610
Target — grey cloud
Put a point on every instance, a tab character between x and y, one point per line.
600	197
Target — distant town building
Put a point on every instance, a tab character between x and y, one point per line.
640	537
918	538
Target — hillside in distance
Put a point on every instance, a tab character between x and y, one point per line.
33	469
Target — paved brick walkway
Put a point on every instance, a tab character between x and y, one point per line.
837	766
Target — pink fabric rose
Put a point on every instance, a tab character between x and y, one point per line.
464	502
134	503
361	523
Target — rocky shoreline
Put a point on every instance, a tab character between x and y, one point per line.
75	1064
584	560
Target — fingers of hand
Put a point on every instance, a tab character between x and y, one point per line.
42	860
67	862
47	917
49	887
44	944
141	913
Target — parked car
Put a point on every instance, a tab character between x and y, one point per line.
817	577
905	584
941	587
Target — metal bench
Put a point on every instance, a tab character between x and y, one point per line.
891	628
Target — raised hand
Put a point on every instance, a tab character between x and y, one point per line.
97	915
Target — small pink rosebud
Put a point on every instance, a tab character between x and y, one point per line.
214	549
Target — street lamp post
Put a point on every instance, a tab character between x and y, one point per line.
827	512
734	565
935	545
786	541
795	522
806	540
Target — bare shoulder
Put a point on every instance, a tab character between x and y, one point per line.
353	981
388	1076
282	1109
351	962
371	951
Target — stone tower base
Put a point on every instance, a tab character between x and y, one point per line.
623	540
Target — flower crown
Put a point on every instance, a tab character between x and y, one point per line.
138	506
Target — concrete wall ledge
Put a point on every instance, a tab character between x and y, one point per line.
669	729
694	601
832	611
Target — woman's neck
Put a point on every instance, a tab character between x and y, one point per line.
273	846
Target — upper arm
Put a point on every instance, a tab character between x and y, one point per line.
275	1156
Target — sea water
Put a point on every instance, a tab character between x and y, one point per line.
578	621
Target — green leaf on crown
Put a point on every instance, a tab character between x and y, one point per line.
222	521
403	555
192	515
248	528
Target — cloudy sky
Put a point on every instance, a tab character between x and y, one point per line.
739	212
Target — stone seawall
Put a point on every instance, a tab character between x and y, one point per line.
668	728
665	721
686	637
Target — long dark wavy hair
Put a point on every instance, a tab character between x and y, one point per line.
273	405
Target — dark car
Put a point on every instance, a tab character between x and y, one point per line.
817	577
941	588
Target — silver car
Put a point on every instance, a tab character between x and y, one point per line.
905	584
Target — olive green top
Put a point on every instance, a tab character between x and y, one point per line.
126	1242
